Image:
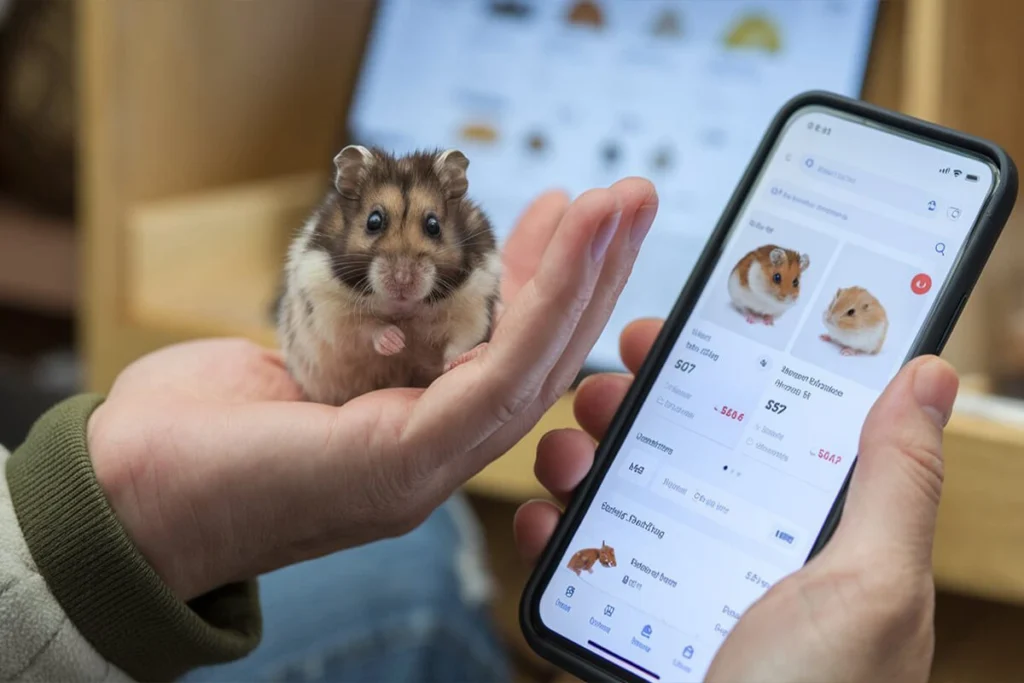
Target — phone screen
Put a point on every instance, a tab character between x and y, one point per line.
728	472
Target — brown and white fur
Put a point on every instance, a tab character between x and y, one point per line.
765	283
856	322
584	560
393	280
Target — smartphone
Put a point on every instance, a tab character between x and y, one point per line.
850	246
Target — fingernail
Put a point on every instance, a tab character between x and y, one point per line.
604	236
935	389
642	224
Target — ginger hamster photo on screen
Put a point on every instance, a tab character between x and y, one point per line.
863	319
761	285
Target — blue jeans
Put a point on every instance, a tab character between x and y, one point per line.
413	608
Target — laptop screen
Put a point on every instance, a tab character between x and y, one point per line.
574	94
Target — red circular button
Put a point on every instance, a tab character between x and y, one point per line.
921	283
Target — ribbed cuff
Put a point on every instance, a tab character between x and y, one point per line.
105	586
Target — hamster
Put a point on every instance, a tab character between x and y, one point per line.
584	560
856	321
765	283
393	279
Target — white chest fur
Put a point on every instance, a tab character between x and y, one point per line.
756	297
865	339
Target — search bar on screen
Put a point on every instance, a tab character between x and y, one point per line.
897	195
816	208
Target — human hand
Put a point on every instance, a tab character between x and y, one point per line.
219	472
863	608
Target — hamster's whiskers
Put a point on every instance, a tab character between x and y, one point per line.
446	286
348	270
350	259
469	237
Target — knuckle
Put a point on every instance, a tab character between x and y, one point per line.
513	404
924	463
576	301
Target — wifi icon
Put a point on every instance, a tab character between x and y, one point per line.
957	172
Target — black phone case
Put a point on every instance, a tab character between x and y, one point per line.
930	340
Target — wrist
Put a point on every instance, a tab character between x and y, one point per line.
106	588
127	471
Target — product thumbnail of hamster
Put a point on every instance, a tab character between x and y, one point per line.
393	280
585	559
765	283
856	322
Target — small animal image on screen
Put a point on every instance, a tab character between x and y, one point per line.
865	317
585	559
762	284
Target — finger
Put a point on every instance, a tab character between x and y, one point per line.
598	397
564	457
893	497
533	526
526	245
596	400
636	341
639	201
463	408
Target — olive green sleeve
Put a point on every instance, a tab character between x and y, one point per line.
102	582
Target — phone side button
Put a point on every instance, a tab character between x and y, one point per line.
952	322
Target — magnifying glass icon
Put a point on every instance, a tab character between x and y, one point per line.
940	248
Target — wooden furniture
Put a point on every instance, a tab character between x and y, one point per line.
206	132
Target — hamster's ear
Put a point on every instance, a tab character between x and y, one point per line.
805	261
777	256
450	167
351	166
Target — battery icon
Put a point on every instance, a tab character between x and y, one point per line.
972	178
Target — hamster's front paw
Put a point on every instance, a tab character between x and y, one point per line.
389	340
465	357
769	320
825	338
751	319
847	351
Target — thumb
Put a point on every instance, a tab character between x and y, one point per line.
893	498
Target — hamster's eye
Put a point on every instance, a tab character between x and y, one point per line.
777	278
852	311
796	282
374	222
432	226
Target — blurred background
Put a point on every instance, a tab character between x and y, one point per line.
155	158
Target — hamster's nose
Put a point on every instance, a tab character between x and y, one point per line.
403	276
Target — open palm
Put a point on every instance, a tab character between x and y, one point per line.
220	472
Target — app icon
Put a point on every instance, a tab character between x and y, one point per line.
570	591
647	631
953	213
931	205
688	652
921	283
940	248
609	610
